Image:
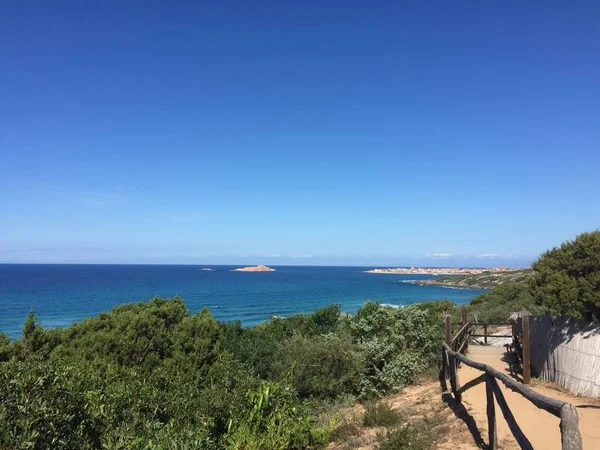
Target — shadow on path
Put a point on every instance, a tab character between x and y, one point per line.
514	369
461	412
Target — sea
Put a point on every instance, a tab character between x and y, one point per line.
61	294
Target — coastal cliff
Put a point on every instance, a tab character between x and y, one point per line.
259	268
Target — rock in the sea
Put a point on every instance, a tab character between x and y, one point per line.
259	268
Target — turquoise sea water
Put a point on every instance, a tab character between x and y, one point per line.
62	294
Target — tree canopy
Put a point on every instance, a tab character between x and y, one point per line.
566	279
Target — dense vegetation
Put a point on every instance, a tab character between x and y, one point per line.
497	304
152	376
567	278
564	280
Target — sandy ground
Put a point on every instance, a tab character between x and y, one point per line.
541	428
416	402
465	426
494	340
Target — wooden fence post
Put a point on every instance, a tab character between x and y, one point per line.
516	431
526	352
569	428
457	393
485	335
491	414
443	371
448	330
465	320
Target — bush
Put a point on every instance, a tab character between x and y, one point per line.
498	304
380	414
566	279
398	344
6	349
152	376
271	421
43	406
260	347
321	366
407	437
388	369
347	428
135	335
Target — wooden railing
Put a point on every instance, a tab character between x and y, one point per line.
460	341
522	345
486	328
452	356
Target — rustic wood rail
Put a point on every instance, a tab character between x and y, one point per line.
522	345
452	356
485	334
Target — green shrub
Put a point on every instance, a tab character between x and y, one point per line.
321	366
43	406
566	279
388	369
497	304
6	348
259	347
271	421
407	437
255	346
134	335
152	376
324	320
326	416
397	343
347	428
380	414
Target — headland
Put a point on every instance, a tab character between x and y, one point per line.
483	280
441	270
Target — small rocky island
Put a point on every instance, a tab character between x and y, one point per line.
259	268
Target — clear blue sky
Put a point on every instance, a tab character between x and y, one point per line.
377	133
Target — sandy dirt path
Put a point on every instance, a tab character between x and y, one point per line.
465	426
540	427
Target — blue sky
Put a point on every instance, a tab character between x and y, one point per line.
375	133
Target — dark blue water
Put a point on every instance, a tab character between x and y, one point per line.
62	294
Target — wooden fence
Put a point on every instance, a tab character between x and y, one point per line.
564	350
452	356
486	330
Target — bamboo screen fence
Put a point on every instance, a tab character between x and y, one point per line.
566	351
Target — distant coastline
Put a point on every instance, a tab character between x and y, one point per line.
441	270
483	280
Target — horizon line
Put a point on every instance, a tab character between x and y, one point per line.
246	265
